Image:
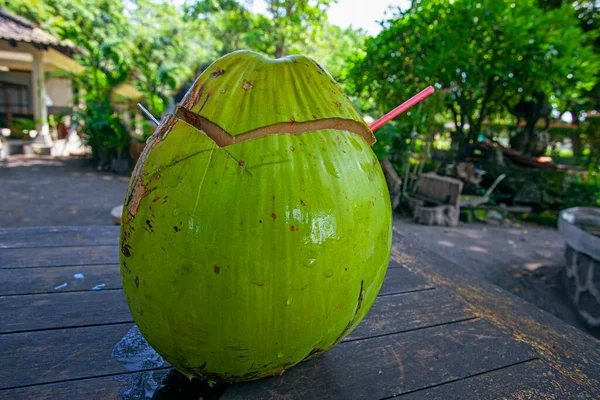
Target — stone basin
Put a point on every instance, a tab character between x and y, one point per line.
580	229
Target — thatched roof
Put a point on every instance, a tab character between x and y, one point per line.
14	28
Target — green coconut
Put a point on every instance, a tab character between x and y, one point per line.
256	230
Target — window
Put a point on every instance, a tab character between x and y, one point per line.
14	99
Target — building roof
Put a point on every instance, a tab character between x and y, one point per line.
19	29
14	28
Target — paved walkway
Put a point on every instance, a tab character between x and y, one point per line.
524	260
45	191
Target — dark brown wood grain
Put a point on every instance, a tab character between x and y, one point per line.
528	380
401	312
14	281
108	387
389	314
433	332
60	310
161	384
566	349
400	279
47	279
392	365
58	355
58	256
62	236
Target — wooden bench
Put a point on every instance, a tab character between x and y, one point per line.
436	200
434	332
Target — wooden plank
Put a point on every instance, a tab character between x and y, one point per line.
400	279
563	347
392	365
58	236
428	199
532	379
159	384
60	310
45	279
82	255
108	387
389	314
63	354
529	380
58	256
403	312
51	279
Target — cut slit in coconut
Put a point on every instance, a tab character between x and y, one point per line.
224	139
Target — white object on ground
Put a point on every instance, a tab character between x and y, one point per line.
116	213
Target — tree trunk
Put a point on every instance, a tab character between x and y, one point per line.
393	181
531	111
280	47
576	144
458	145
529	132
278	51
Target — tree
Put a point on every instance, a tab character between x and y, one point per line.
228	23
287	27
295	21
167	49
484	54
101	32
159	47
337	49
588	14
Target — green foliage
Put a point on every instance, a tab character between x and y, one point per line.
582	192
165	54
159	46
21	127
548	191
230	25
104	132
484	57
147	44
591	137
588	14
547	218
287	27
101	31
290	24
483	54
337	50
33	10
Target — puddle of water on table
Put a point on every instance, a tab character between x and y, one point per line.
135	353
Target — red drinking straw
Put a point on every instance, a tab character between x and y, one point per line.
401	108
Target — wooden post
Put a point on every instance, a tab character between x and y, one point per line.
139	127
40	109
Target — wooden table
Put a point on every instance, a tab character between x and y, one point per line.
434	332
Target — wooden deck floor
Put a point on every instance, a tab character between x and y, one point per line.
434	332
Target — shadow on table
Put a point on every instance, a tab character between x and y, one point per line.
175	385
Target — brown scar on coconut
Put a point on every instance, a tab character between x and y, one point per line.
137	190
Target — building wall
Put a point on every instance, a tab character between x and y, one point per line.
60	92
